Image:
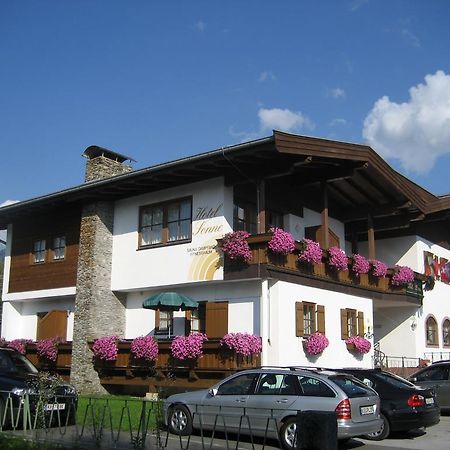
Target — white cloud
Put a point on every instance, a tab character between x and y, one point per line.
200	26
338	93
416	132
283	119
409	37
338	122
356	4
266	76
8	202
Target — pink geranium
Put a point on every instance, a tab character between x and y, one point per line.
144	347
105	348
47	349
402	276
282	241
359	264
242	343
188	347
361	344
337	258
316	343
310	252
19	345
235	246
378	268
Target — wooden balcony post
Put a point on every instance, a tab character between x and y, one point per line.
370	237
325	220
261	206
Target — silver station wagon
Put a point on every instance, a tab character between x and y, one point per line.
265	402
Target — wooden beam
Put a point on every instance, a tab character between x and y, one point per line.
261	205
370	237
325	219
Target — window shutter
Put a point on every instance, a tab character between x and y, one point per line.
216	325
299	331
360	323
344	327
321	319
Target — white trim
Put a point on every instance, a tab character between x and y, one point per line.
41	294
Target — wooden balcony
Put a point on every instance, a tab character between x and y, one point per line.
215	364
264	263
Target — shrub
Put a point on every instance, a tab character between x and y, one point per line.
282	241
242	343
361	344
144	347
235	246
402	276
316	343
188	347
105	348
310	252
337	258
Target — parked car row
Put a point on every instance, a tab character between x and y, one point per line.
368	403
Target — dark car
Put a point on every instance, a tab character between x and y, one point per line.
437	377
404	406
24	391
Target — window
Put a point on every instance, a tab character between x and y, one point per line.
164	322
195	319
244	217
432	331
311	387
434	373
165	223
240	385
446	333
59	247
309	318
39	251
352	323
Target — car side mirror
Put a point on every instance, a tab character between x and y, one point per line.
213	392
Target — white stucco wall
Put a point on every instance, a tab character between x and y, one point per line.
243	307
172	264
284	348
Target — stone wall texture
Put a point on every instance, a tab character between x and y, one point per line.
102	167
98	310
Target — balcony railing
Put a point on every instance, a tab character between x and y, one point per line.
263	259
214	365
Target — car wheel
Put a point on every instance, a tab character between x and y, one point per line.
383	433
288	433
180	420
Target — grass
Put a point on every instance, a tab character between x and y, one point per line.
117	412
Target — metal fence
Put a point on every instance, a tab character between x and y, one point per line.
123	424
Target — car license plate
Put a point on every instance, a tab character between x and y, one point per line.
365	410
55	406
429	401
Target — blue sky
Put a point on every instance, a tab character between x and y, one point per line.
162	80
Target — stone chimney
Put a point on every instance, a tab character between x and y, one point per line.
103	163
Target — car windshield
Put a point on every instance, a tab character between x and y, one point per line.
352	387
14	362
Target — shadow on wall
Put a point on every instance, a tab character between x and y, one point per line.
389	318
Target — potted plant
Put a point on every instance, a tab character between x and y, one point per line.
47	350
188	347
282	242
315	343
242	346
105	348
19	345
310	252
337	259
358	344
144	349
235	246
359	264
377	268
402	276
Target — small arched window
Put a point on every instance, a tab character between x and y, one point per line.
432	331
446	333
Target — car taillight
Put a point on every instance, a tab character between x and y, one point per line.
343	410
416	400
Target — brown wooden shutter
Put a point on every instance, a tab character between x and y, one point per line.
216	319
344	327
320	318
360	323
299	330
52	324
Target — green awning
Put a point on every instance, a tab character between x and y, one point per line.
169	301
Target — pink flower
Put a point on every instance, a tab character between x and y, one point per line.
144	347
236	247
311	252
360	264
361	345
337	258
188	347
242	343
379	269
47	349
105	348
402	276
282	241
316	343
19	345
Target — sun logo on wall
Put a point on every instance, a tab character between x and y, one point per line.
205	263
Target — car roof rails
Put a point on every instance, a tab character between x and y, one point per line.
441	361
311	368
